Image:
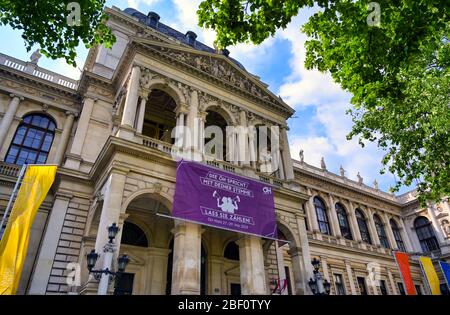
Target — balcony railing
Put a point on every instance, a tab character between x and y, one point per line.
10	170
34	70
157	144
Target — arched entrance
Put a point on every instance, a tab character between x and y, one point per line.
159	116
215	136
283	260
144	238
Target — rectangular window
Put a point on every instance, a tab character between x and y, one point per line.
401	288
362	285
383	288
339	284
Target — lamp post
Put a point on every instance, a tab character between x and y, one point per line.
319	286
105	273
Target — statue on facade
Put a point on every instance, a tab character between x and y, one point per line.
342	171
35	57
360	179
301	155
322	163
375	184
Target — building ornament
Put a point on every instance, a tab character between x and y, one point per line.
219	69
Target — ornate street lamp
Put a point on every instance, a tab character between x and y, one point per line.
318	286
105	274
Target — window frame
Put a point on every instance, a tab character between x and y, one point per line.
381	231
339	284
31	128
320	208
397	235
345	229
427	243
361	220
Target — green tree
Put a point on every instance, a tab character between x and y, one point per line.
397	71
54	26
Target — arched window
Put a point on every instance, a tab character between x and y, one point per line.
379	225
362	224
343	222
322	217
133	235
231	251
397	236
32	140
425	233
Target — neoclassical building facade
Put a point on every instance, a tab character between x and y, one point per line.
110	133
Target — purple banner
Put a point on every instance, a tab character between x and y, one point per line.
210	196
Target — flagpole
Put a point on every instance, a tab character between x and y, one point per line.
8	207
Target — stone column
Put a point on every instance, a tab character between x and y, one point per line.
65	135
252	145
301	260
324	264
110	214
131	101
253	278
74	157
186	258
286	156
354	223
389	232
201	132
217	273
334	218
159	270
243	138
231	143
141	114
8	117
372	228
392	282
348	268
191	136
405	236
279	157
127	124
312	213
50	241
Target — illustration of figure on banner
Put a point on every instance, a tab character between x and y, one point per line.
228	204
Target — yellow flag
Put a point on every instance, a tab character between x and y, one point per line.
13	246
431	275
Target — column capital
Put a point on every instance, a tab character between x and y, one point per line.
71	113
14	95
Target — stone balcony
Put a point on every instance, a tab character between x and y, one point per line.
36	71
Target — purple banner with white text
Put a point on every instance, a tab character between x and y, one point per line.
211	196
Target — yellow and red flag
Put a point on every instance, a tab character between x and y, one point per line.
13	247
431	275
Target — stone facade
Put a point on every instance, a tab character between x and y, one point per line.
113	153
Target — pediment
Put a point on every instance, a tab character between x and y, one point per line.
218	67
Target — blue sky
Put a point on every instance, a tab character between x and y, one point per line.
320	126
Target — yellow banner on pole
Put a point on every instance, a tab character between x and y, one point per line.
13	247
431	275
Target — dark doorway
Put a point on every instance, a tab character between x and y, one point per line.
235	289
124	284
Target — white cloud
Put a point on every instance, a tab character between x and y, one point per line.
135	3
326	136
